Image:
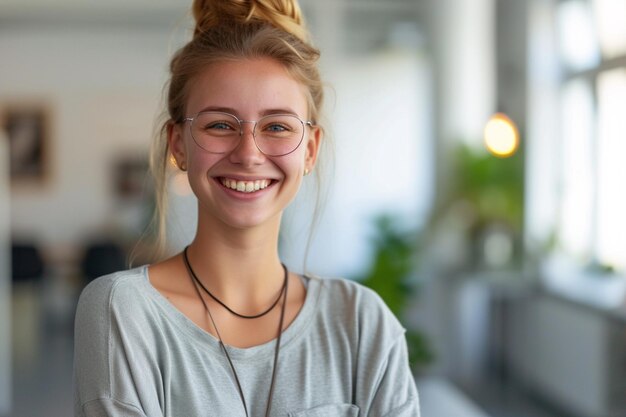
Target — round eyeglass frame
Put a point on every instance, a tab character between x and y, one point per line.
254	122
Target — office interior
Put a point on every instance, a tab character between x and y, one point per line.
475	180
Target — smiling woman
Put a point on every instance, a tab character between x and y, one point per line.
223	328
226	149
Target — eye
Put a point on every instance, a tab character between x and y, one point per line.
280	126
276	127
218	126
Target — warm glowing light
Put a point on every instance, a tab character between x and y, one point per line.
501	137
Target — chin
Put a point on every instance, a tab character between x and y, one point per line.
244	221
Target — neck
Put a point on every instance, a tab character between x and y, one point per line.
240	266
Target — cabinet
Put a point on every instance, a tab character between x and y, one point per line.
572	354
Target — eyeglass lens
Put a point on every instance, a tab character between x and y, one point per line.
275	135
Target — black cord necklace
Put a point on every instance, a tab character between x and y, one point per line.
243	316
195	281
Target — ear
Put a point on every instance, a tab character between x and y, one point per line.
312	147
176	143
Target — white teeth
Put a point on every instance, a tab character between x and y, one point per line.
245	186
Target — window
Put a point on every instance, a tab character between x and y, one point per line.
591	225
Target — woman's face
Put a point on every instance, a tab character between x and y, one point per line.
249	90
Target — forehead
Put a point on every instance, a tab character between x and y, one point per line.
249	86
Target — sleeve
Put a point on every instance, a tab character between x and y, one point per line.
385	384
98	378
107	407
396	394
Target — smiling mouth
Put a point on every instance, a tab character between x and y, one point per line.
245	186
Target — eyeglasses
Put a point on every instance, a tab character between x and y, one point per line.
274	135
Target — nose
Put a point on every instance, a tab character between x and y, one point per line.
246	152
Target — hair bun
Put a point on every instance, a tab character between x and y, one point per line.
282	14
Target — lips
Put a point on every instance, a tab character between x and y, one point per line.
249	186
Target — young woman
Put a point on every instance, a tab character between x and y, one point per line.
223	328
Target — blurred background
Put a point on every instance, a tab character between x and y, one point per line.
477	185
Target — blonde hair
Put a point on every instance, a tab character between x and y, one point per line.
233	30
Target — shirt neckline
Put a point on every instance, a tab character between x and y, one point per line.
206	340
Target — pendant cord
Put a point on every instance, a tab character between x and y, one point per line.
243	316
280	333
195	281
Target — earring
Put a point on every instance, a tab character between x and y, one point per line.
306	172
182	166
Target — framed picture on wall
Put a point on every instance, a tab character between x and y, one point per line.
130	173
27	129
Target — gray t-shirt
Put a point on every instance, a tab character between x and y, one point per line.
138	355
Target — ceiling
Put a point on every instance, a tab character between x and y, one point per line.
354	25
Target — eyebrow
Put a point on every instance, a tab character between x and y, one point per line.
266	112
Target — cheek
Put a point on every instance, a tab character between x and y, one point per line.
293	164
202	161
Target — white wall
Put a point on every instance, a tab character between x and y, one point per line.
380	122
103	90
463	39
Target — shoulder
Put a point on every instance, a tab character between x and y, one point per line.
109	326
115	287
109	296
358	305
